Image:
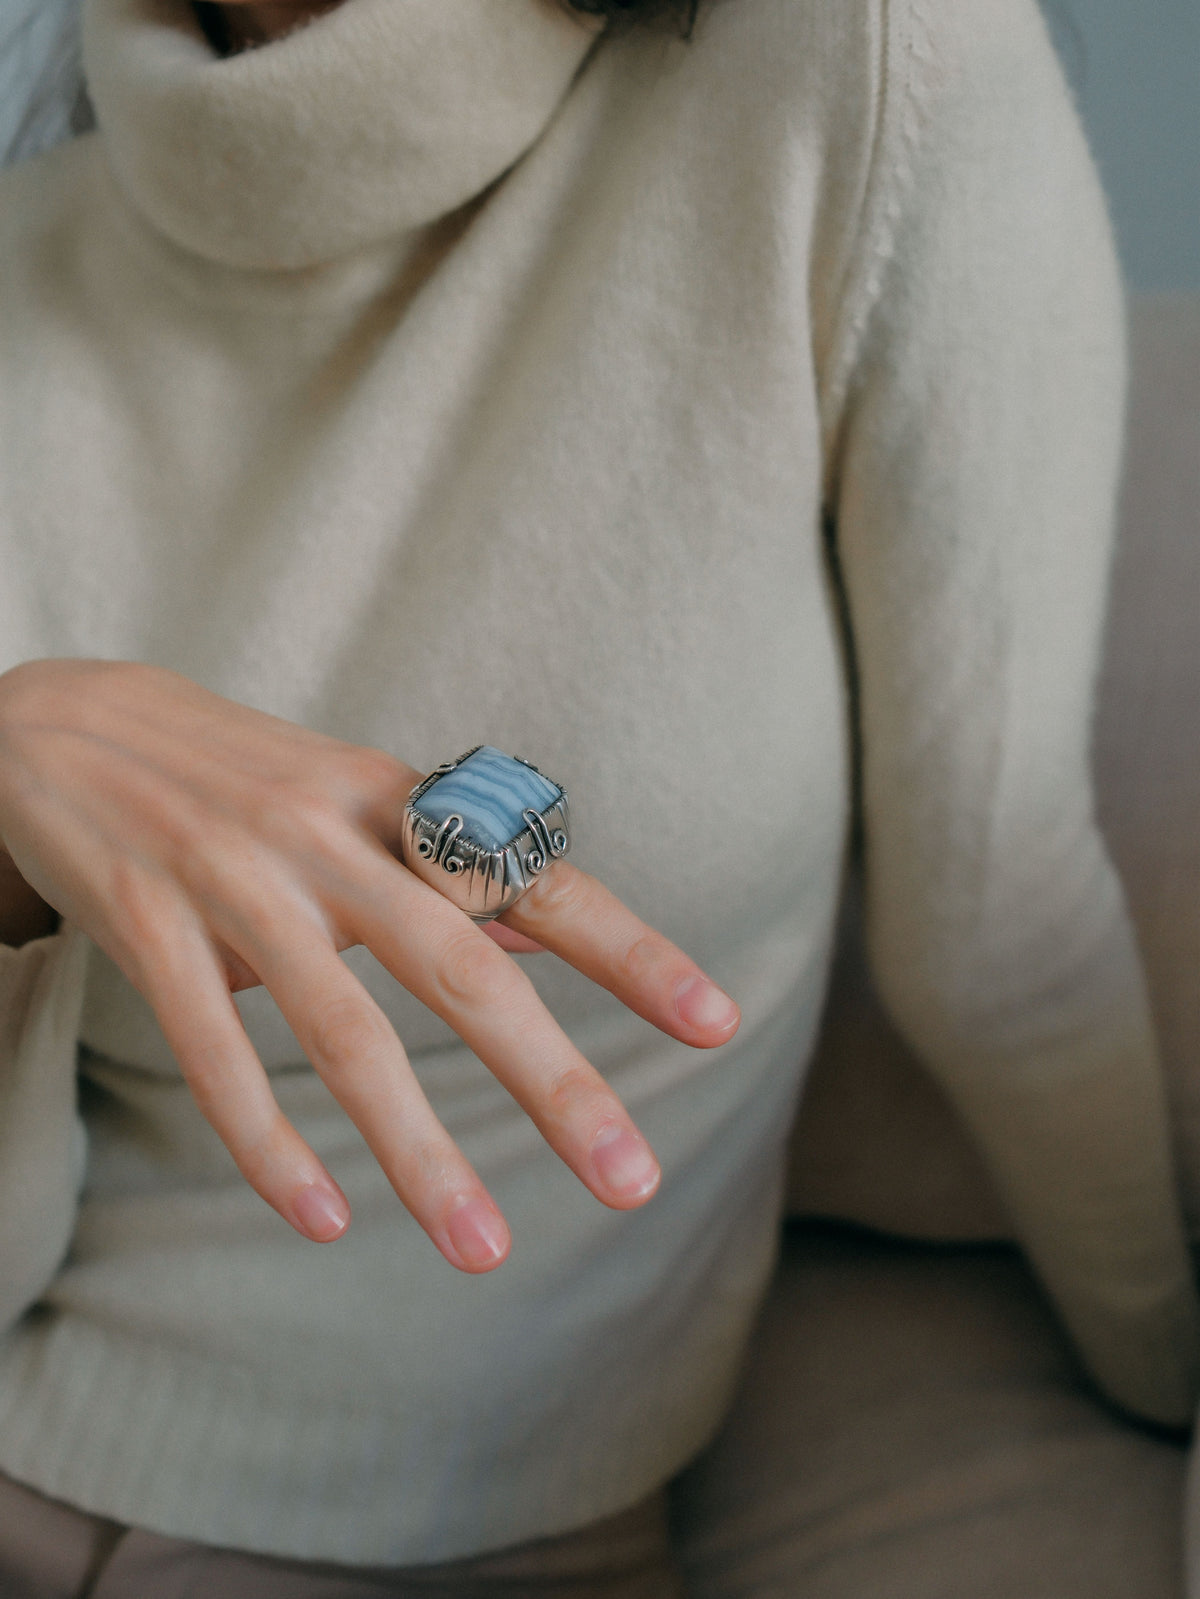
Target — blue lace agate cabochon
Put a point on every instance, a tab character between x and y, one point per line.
489	791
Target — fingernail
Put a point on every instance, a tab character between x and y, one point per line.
702	1004
625	1164
323	1214
479	1234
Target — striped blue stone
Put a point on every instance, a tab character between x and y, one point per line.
489	790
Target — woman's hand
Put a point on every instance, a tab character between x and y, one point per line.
208	848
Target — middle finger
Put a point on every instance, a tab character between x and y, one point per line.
449	964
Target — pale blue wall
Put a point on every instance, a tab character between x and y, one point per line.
1135	66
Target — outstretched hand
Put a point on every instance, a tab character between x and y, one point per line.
207	848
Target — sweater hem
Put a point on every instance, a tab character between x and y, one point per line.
151	1438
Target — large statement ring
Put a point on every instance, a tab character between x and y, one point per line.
482	829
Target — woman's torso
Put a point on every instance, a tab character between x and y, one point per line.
551	482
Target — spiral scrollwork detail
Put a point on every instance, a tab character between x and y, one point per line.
546	844
439	847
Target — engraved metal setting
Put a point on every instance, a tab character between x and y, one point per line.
482	882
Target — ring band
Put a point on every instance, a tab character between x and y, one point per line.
482	830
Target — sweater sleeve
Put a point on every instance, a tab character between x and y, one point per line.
974	418
41	1136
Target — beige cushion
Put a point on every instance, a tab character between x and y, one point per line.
876	1141
1148	729
911	1426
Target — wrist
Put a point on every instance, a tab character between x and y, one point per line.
24	914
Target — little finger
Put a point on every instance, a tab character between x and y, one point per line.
584	923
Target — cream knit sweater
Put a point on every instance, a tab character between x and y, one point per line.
441	375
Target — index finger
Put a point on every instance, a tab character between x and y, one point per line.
584	923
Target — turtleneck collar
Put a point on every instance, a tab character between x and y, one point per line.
370	121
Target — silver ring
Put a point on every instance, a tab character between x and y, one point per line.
482	830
